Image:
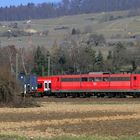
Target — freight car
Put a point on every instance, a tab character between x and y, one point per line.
93	84
28	84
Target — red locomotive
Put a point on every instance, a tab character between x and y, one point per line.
93	84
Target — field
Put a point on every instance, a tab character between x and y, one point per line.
60	27
83	118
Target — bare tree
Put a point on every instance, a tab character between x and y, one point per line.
22	54
11	53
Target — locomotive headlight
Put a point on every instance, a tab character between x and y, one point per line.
32	87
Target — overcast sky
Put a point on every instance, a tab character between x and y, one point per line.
4	3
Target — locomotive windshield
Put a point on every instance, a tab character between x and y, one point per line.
49	85
39	85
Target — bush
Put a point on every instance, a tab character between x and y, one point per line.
75	31
8	87
10	91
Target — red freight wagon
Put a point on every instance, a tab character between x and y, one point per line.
90	84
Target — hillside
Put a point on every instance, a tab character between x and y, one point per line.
45	32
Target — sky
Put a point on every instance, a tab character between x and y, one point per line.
4	3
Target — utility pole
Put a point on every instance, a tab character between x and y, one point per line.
16	65
0	44
49	64
42	70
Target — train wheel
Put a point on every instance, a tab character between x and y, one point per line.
73	95
100	95
88	95
63	95
122	95
110	95
58	95
38	94
136	95
81	95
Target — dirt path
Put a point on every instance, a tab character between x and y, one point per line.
72	118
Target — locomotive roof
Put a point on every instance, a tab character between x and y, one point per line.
90	75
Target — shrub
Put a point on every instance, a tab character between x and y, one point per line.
8	87
10	94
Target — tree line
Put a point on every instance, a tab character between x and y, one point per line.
65	7
69	57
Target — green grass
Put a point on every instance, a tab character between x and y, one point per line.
96	138
16	137
12	137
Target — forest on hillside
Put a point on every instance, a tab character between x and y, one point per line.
66	7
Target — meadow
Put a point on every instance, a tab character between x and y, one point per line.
73	119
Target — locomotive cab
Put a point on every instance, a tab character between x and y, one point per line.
47	87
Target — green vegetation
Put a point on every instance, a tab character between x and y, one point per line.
8	87
15	137
96	138
12	137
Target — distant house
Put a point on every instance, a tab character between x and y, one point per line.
29	21
33	31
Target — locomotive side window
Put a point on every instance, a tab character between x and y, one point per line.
119	78
70	80
126	78
84	79
105	78
76	79
91	79
50	85
135	78
98	79
46	85
39	85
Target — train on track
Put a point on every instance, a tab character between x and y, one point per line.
83	85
